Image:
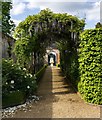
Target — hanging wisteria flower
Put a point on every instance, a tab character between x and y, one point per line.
12	81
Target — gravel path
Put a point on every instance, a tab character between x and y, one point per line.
58	100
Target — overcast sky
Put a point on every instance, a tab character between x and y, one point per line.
81	8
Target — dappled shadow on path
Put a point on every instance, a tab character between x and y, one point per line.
43	107
58	99
60	84
51	85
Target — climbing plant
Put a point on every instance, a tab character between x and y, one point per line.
36	32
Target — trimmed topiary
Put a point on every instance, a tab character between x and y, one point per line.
13	98
40	73
90	66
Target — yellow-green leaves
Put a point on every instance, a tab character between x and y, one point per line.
90	66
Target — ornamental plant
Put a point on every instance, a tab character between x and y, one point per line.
16	78
37	32
90	66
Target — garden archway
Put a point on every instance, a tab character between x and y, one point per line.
37	32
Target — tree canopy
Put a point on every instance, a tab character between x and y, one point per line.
7	23
98	25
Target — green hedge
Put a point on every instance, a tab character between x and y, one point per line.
58	65
69	66
13	98
40	73
90	66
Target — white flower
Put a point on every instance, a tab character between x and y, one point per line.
6	83
12	81
35	76
30	75
28	87
24	68
33	81
25	76
19	68
12	86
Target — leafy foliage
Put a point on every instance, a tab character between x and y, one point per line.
7	23
98	25
16	78
36	32
69	60
13	98
40	73
90	67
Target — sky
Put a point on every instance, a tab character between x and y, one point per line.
80	8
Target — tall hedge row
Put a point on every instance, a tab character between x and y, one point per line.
90	66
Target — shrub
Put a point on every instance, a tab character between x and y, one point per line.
40	73
13	98
17	83
58	65
69	65
16	78
90	66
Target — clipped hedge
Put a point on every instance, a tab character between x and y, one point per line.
69	66
58	65
40	73
90	66
13	98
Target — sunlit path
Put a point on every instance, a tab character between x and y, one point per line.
58	100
